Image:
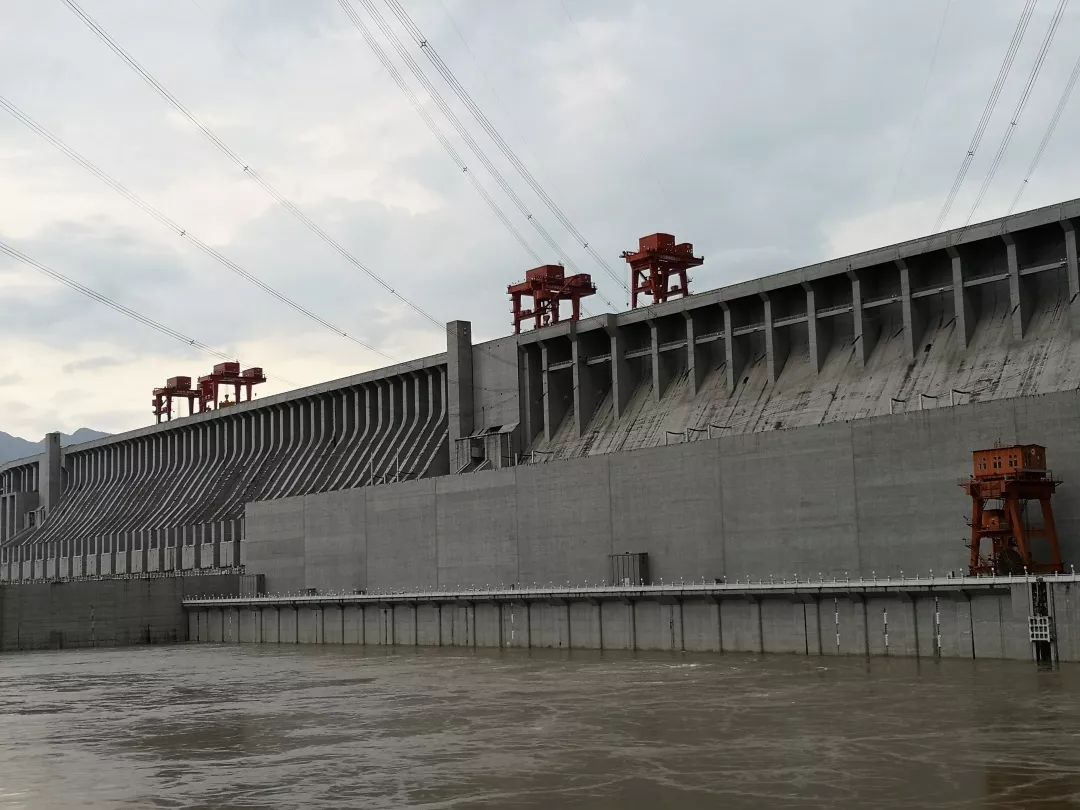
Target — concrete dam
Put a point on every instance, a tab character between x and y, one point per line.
811	425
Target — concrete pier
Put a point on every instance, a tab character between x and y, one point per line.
942	617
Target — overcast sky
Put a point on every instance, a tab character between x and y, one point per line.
769	134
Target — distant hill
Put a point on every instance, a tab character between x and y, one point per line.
12	447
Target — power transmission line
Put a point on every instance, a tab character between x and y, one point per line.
399	80
478	114
1033	76
228	152
922	102
448	113
231	155
395	74
183	232
988	109
101	298
485	74
1054	119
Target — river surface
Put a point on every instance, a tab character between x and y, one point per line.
331	727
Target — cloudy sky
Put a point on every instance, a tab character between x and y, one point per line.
770	134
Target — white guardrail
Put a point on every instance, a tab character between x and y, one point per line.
674	589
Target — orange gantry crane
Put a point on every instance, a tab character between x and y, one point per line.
656	262
174	388
1006	538
206	396
548	286
226	375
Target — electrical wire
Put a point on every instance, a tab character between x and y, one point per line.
1033	76
433	127
236	159
101	298
988	109
183	232
478	114
450	116
229	153
491	88
1054	119
484	73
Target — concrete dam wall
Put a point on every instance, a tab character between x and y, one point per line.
172	496
819	419
872	495
104	613
925	618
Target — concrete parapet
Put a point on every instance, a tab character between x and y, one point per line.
961	617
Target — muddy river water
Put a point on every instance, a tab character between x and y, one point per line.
330	727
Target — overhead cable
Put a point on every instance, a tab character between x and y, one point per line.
101	298
436	131
1054	119
181	231
988	109
450	116
229	153
455	156
478	114
1025	94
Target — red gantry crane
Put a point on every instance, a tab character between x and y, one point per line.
225	375
548	286
1002	483
657	261
206	396
174	388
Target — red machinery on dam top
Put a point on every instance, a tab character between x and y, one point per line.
207	396
548	286
1002	482
657	261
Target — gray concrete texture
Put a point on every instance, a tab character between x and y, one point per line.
103	613
877	495
974	623
981	314
165	483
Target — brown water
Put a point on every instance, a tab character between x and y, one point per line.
317	727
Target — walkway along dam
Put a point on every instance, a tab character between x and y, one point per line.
810	425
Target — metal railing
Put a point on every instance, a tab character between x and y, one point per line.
702	587
172	573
